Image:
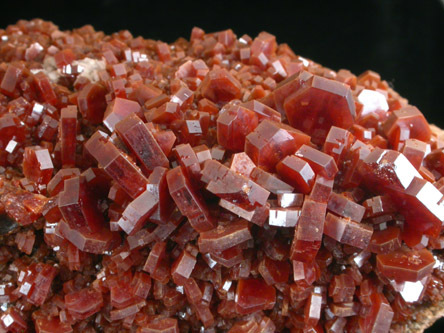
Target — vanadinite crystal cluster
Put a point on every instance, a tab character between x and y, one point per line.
218	184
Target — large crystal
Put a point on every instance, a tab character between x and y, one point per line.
271	141
137	212
234	123
224	236
92	103
37	164
78	205
189	200
321	163
116	164
97	242
405	264
344	207
220	86
117	110
68	135
347	231
248	300
406	123
83	303
141	142
269	181
296	172
322	103
231	186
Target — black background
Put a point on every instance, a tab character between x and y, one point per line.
400	39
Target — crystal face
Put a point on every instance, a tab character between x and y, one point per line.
141	142
327	102
220	183
271	142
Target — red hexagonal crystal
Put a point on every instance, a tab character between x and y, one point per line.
229	257
83	303
284	217
141	142
262	48
269	182
274	271
422	206
311	222
22	206
78	205
405	264
387	170
68	135
116	164
12	321
242	164
308	272
342	288
137	212
322	103
337	143
233	125
287	87
263	111
92	242
344	207
312	310
36	281
220	86
296	172
158	187
347	231
56	184
189	200
224	236
117	110
10	80
321	163
187	158
270	142
37	164
232	187
258	215
44	88
44	325
406	123
92	103
161	325
385	241
415	151
183	265
248	300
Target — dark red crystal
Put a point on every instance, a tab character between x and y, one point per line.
141	142
322	103
218	184
248	300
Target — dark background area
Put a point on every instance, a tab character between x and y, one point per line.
400	39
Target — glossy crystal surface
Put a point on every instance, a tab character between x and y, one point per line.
328	103
217	184
271	142
141	142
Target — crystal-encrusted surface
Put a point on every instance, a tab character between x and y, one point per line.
221	183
